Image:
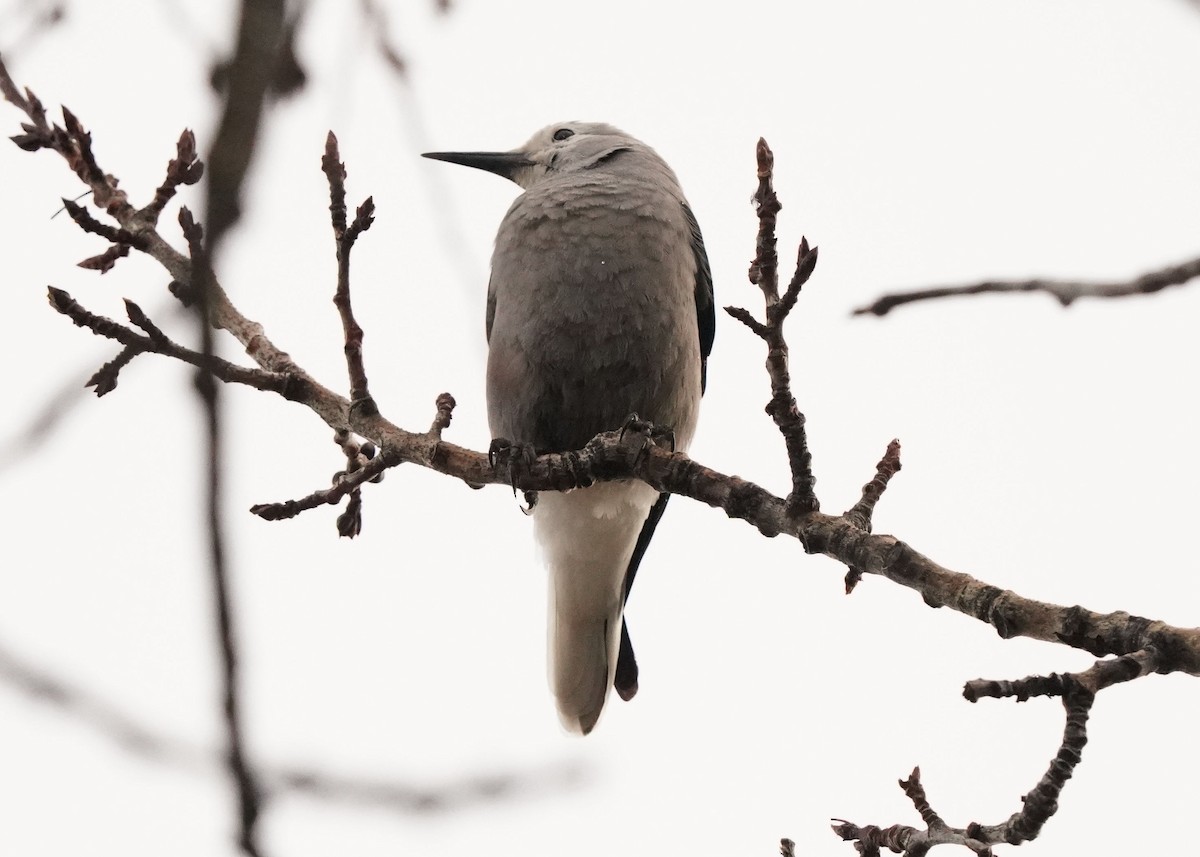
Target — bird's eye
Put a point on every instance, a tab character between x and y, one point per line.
562	134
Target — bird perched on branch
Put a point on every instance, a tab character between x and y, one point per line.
600	305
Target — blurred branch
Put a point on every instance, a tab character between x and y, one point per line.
255	64
108	720
41	16
47	417
1065	292
375	17
97	713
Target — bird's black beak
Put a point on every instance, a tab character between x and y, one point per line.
504	164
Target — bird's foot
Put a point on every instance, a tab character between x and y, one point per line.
651	434
518	458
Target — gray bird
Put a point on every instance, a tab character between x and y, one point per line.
600	305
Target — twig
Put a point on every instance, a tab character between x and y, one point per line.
764	273
40	134
105	378
349	523
445	412
87	223
344	483
364	465
185	168
1065	292
860	513
345	236
1078	693
284	385
903	839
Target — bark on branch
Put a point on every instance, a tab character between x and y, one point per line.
1066	292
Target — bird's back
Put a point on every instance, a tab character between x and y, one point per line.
592	316
589	275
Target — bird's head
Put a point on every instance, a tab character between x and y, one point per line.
561	148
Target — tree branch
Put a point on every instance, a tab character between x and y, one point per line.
1066	292
764	273
259	37
1078	693
108	720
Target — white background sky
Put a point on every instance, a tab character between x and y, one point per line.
918	143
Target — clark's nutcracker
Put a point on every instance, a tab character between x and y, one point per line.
600	305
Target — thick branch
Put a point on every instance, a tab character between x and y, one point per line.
609	457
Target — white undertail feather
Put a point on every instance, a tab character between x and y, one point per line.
587	536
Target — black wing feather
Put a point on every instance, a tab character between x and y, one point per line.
625	680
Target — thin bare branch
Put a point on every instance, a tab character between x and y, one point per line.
445	412
345	236
1066	292
1078	693
285	385
860	514
105	379
185	168
343	484
764	273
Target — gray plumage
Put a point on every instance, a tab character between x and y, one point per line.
599	306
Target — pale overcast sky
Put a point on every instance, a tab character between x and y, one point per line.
1047	451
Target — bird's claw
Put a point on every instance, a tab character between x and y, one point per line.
663	436
652	434
517	457
635	424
